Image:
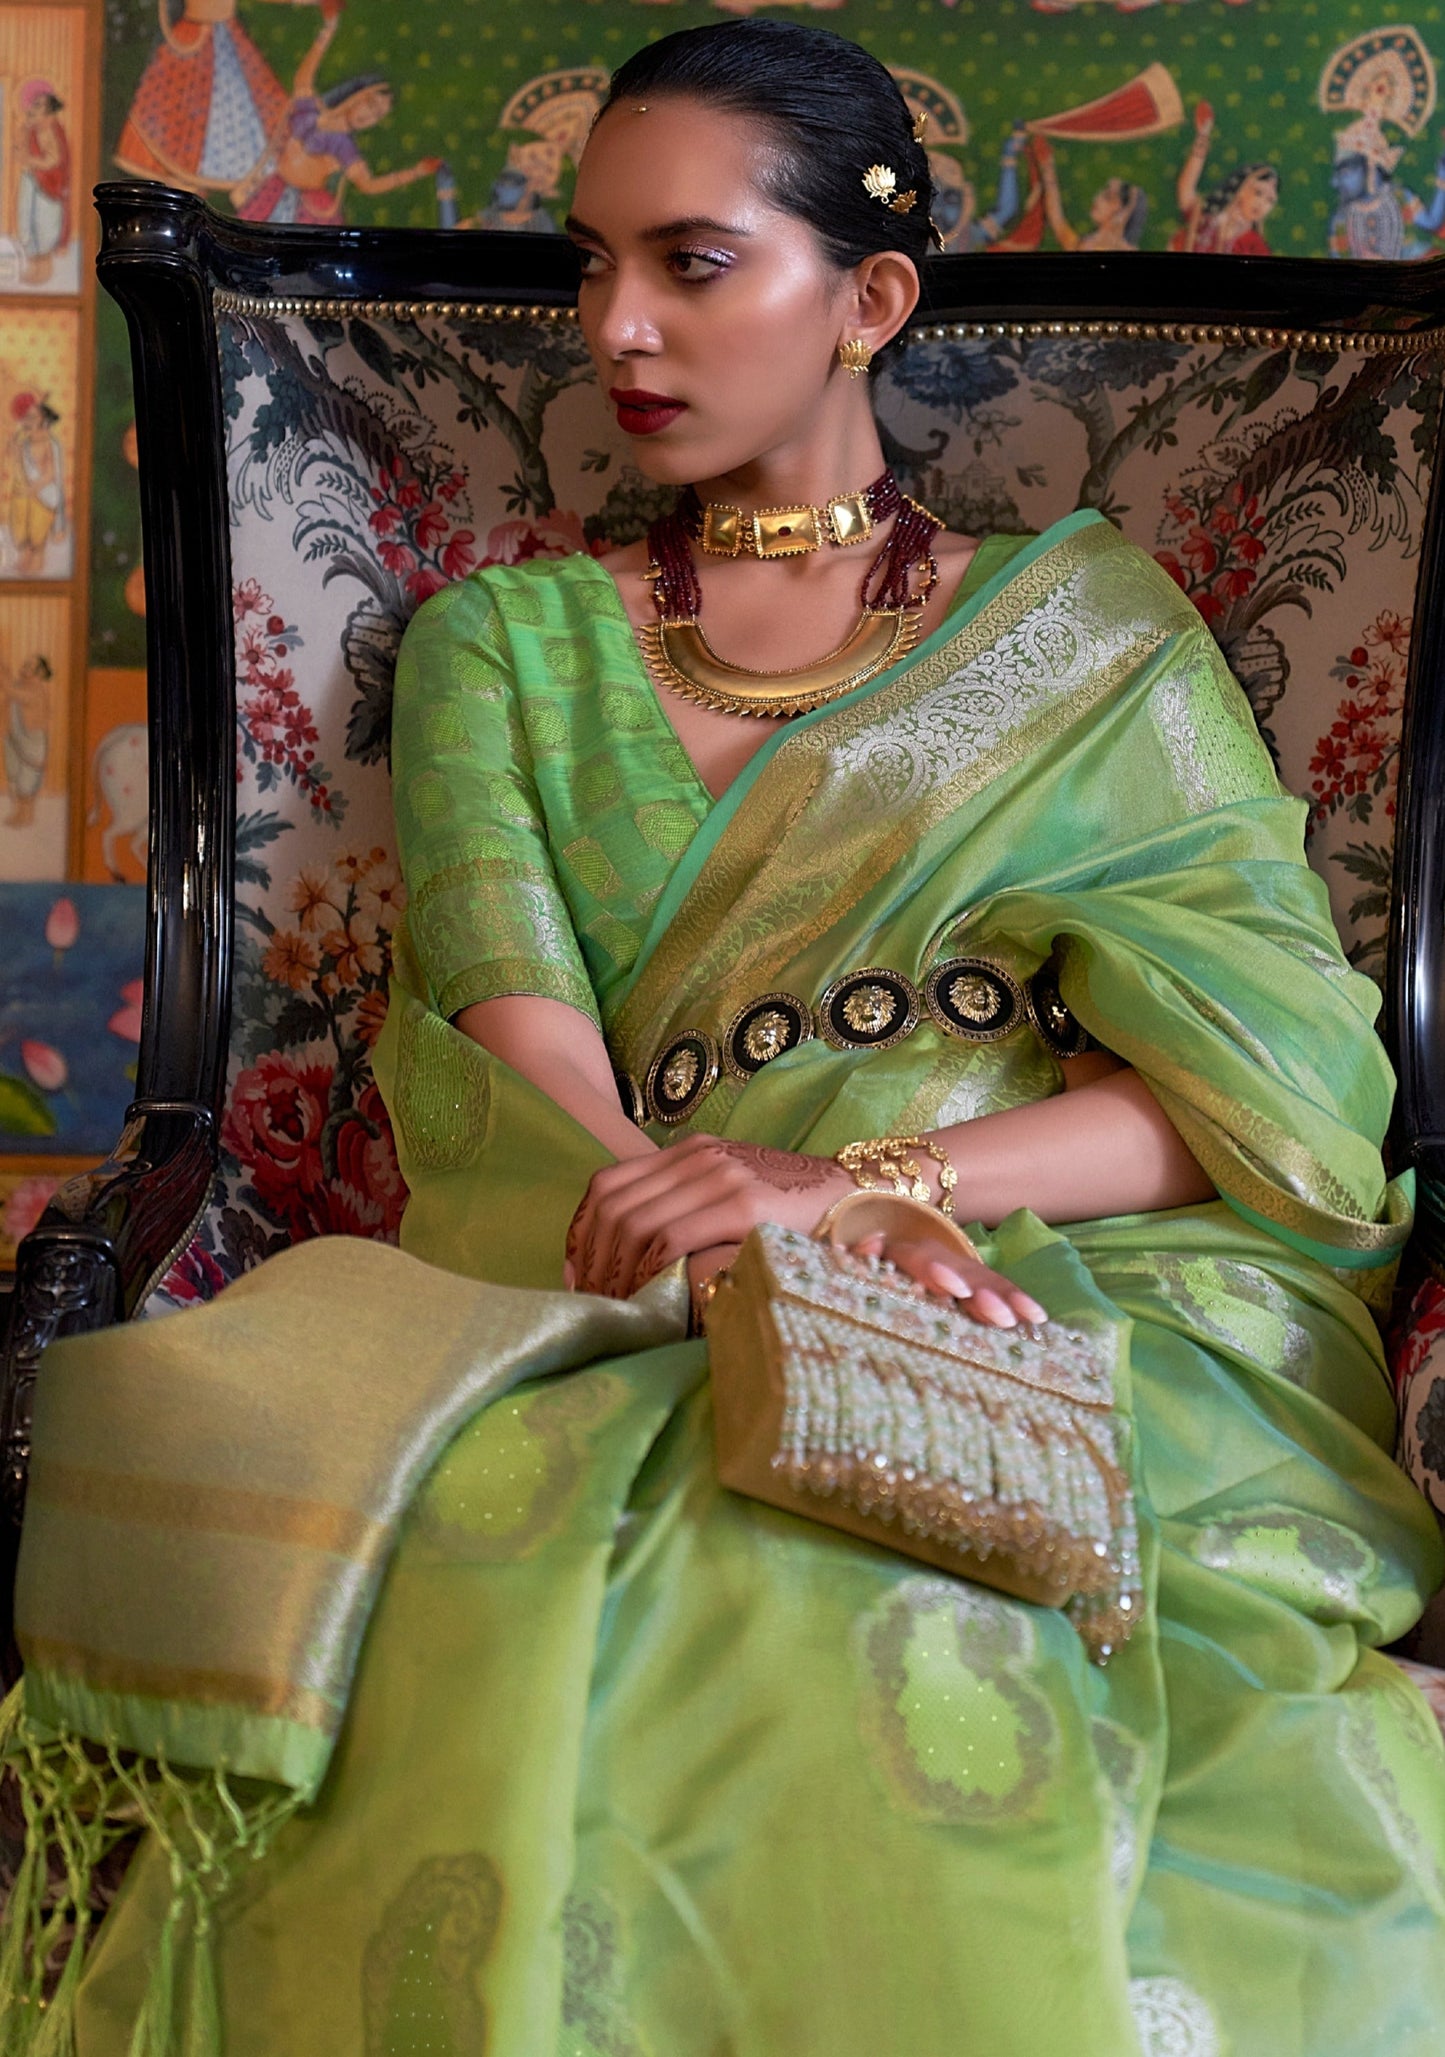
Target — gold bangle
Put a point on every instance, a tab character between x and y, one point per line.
859	1215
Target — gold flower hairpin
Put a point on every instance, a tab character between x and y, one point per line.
880	182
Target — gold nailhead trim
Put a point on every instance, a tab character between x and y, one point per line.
1234	335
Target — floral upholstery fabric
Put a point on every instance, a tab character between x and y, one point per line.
373	460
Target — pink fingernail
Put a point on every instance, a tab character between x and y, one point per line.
950	1280
998	1311
569	1277
1033	1311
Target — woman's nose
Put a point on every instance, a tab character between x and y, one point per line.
626	323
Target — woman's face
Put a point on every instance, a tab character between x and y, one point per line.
368	108
1257	195
1108	207
696	290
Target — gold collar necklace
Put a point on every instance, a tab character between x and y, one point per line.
679	655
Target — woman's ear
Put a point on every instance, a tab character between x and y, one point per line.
885	293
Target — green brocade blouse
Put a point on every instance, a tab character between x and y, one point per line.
543	800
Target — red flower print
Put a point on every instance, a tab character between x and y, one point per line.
397	557
367	1195
273	1125
422	584
1200	551
557	534
460	554
431	525
1356	762
195	1276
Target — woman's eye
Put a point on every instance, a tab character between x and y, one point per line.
695	266
588	259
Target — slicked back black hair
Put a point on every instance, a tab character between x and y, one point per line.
831	109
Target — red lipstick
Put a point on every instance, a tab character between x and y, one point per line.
643	414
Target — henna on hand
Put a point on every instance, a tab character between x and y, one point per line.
784	1170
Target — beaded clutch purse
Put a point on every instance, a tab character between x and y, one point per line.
845	1393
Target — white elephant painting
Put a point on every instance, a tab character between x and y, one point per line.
119	786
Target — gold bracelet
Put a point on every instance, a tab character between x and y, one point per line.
888	1153
947	1176
903	1172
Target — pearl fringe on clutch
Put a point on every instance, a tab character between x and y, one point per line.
843	1392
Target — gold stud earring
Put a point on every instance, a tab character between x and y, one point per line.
855	356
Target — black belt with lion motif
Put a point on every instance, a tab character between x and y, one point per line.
972	998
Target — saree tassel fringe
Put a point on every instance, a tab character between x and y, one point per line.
80	1801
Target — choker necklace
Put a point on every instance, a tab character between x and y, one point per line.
679	655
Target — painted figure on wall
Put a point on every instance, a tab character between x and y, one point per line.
1227	220
26	696
1146	105
1117	212
555	112
305	179
939	112
43	200
209	109
1386	76
37	514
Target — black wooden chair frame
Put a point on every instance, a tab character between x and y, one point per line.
110	1235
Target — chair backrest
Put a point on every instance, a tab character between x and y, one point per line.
389	410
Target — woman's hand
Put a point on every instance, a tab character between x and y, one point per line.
698	1199
983	1293
638	1217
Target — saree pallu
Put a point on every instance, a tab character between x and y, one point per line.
634	1768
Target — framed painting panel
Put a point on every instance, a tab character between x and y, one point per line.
36	641
39	389
42	111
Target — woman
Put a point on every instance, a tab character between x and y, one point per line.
1227	222
208	108
1118	210
42	200
630	1763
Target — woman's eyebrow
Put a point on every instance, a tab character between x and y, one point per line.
687	225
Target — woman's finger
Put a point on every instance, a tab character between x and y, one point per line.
591	1239
626	1217
987	1294
611	1180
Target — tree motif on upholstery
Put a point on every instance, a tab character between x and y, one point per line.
376	494
1262	521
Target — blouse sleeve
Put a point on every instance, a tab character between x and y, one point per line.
485	913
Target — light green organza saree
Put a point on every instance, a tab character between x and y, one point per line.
567	1751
